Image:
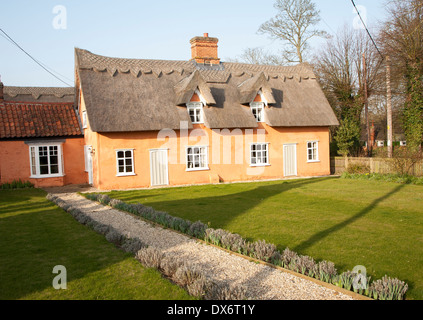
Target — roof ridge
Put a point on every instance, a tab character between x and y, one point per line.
101	63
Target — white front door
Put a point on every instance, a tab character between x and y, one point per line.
289	160
89	163
159	167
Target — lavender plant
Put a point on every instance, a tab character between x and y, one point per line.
263	251
150	257
388	289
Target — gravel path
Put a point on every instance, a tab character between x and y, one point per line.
261	281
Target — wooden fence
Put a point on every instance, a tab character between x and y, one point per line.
374	165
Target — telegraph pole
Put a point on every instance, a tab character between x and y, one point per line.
389	105
366	106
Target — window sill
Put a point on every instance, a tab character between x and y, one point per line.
126	174
197	169
47	176
312	161
260	165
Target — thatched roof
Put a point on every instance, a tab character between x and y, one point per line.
144	95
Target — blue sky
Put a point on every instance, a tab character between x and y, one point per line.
141	29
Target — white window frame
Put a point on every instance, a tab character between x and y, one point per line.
259	163
314	151
125	173
205	156
197	108
257	109
84	119
35	166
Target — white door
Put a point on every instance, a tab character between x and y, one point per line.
89	163
289	160
159	167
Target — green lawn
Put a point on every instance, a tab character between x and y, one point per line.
350	222
35	236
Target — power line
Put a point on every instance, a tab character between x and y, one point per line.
368	32
35	60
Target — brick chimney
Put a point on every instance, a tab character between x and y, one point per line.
204	49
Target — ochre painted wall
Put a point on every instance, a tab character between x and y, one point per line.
228	154
15	163
223	165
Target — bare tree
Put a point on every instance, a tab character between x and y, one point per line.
294	25
258	56
401	38
339	68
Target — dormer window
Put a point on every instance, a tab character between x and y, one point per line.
257	108
195	111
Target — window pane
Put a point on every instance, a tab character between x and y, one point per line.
43	169
120	154
33	163
54	160
43	160
128	154
54	169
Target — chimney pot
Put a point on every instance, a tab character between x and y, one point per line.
206	35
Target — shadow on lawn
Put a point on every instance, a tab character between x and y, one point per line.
34	242
221	209
324	233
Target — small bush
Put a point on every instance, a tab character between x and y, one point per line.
263	251
101	228
103	198
91	196
178	224
326	271
388	289
360	168
114	203
305	265
287	257
162	218
214	236
115	237
186	274
197	230
133	245
16	184
232	241
199	287
150	257
169	265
